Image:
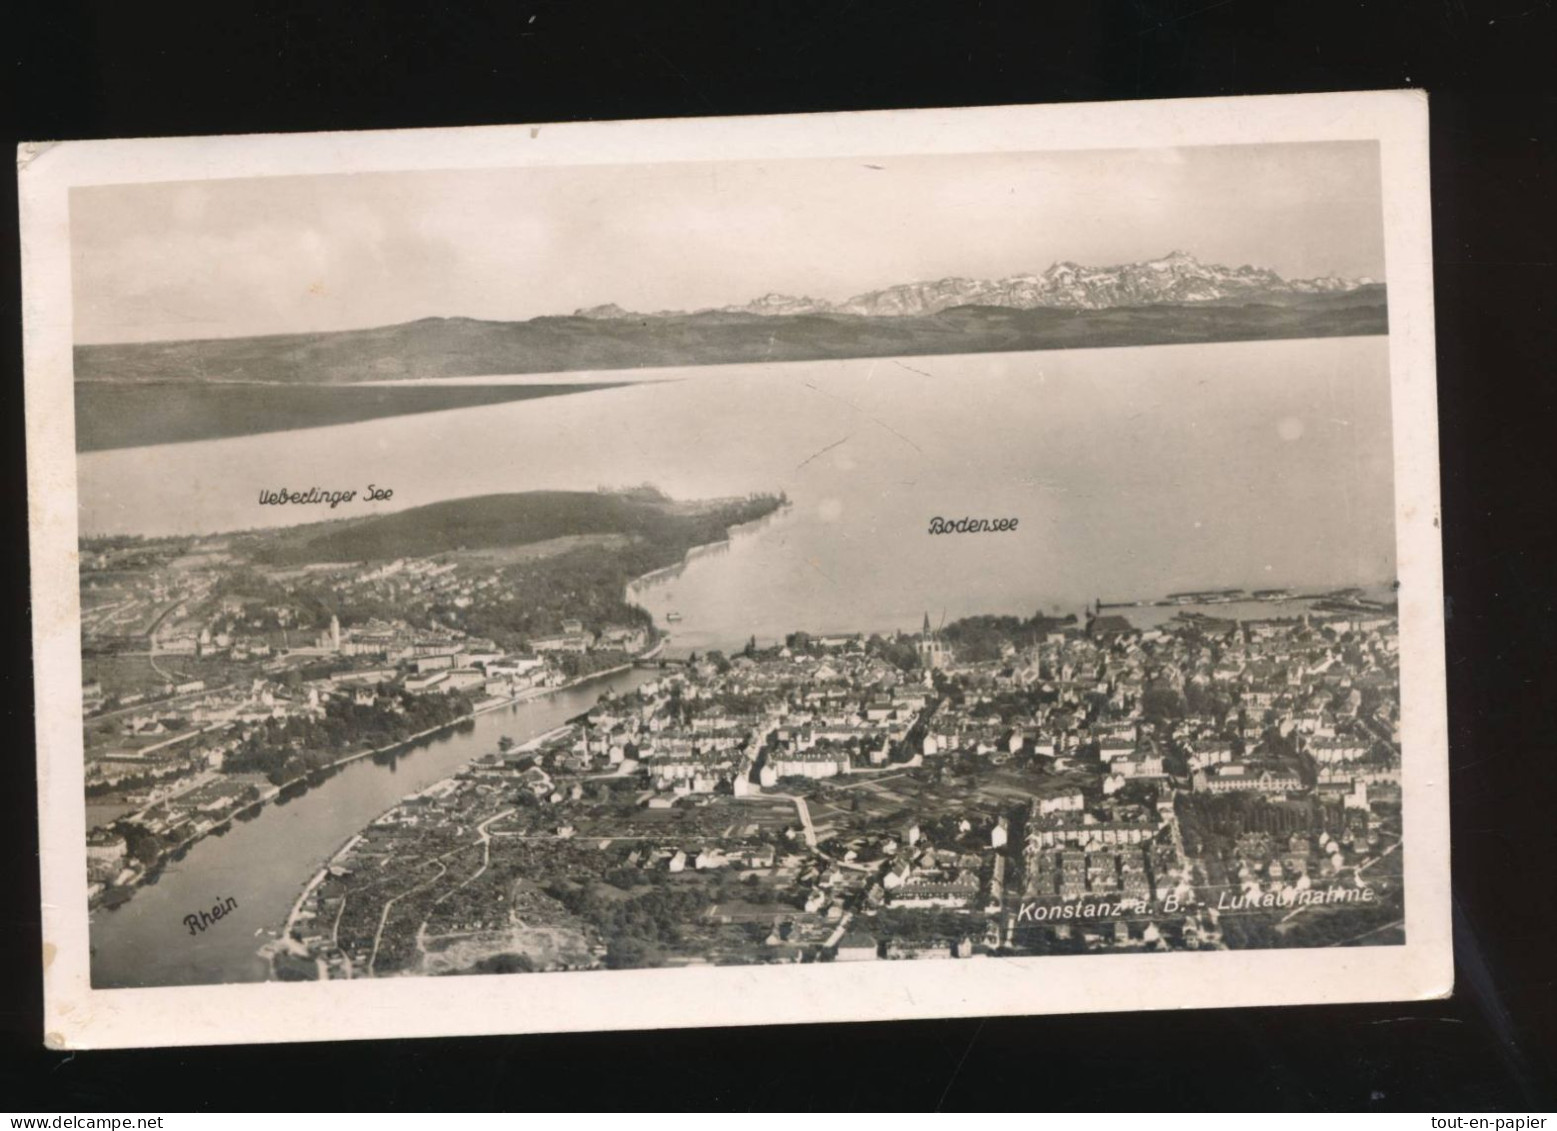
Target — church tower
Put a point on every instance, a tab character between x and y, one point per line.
933	652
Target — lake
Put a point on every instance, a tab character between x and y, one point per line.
137	414
1131	473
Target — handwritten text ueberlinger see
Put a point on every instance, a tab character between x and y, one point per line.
315	495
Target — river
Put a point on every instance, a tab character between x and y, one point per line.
264	863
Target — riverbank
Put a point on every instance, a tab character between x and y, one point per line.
118	895
541	740
283	944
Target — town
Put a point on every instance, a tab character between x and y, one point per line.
999	786
994	786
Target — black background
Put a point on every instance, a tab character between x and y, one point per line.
128	70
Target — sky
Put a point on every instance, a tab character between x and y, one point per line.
230	258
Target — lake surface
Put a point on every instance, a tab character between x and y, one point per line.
1132	473
264	863
136	414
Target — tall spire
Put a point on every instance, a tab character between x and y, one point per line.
926	631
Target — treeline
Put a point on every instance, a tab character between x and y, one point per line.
897	651
1163	702
637	929
282	749
511	520
587	584
1213	821
142	845
739	703
1203	699
981	638
576	664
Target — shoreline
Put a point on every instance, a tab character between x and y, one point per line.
281	942
274	791
1246	610
676	568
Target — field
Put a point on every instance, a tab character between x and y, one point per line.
859	799
509	949
127	674
499	556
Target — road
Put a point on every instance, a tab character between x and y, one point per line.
895	771
378	935
484	839
1374	931
1366	864
335	937
842	929
805	816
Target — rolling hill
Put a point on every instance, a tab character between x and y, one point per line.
487	521
465	347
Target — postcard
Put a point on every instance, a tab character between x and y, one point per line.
736	571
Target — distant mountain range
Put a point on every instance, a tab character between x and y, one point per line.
1177	277
1172	300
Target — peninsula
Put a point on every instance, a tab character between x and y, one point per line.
223	673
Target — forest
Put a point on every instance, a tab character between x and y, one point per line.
637	930
516	519
281	749
981	638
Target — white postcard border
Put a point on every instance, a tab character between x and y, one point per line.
76	1016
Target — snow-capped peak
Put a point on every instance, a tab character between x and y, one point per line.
1178	277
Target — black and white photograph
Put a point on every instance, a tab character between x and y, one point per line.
849	566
